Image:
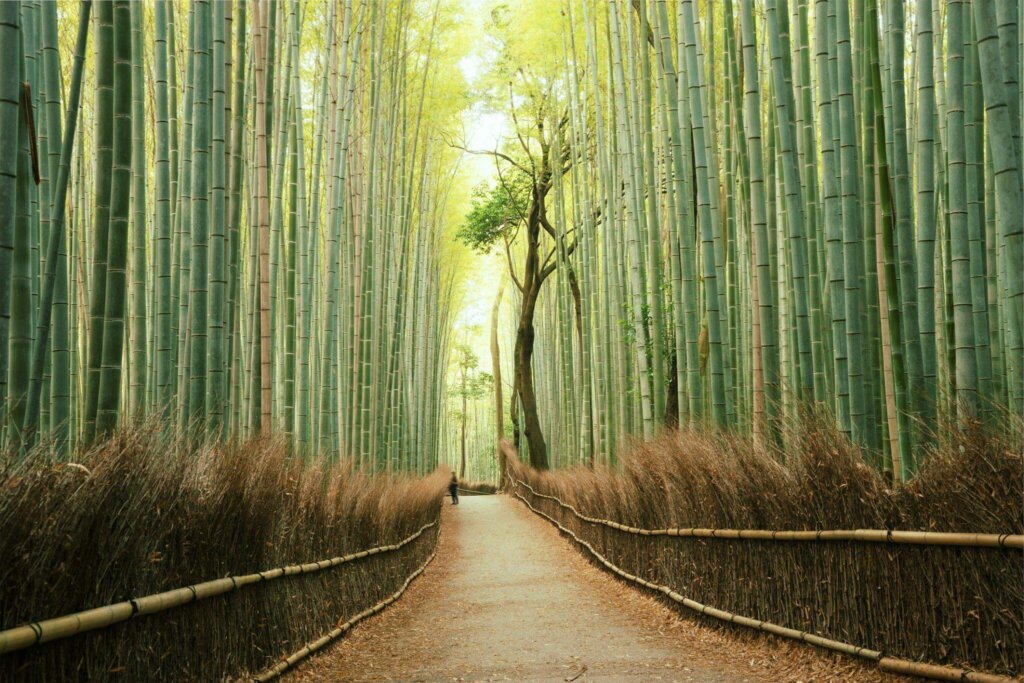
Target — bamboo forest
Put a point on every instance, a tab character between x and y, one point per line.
608	339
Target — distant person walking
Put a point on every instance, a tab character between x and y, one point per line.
453	489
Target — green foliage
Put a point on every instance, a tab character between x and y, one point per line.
525	39
496	212
472	383
464	357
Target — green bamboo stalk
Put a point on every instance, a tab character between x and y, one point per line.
925	207
852	261
262	219
102	173
655	295
164	169
56	236
233	238
832	217
966	364
199	295
885	220
820	340
632	220
707	219
900	165
182	269
1007	176
109	399
137	359
684	221
794	193
60	385
21	270
216	389
974	141
766	319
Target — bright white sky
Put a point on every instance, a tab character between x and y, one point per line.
483	131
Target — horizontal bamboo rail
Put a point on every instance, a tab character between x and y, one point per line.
892	664
1011	541
310	648
40	632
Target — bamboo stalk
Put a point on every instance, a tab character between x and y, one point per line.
937	672
56	240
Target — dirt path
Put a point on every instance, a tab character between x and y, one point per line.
507	598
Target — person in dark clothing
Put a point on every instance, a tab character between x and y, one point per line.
453	489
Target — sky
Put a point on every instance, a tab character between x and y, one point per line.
483	130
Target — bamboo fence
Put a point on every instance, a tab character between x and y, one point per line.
300	654
1009	541
40	632
889	664
471	492
893	665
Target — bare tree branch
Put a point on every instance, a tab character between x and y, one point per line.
495	153
515	121
511	265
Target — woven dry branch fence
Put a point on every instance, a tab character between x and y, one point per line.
938	538
891	664
473	492
142	515
899	598
42	632
477	487
323	641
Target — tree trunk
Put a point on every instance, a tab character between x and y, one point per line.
524	381
462	464
499	415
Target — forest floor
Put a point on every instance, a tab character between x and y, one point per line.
507	598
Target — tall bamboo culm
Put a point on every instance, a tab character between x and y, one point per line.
202	151
860	212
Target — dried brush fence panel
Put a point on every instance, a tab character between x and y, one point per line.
864	535
41	632
139	515
957	606
323	641
477	488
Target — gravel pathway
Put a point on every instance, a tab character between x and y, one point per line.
507	598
